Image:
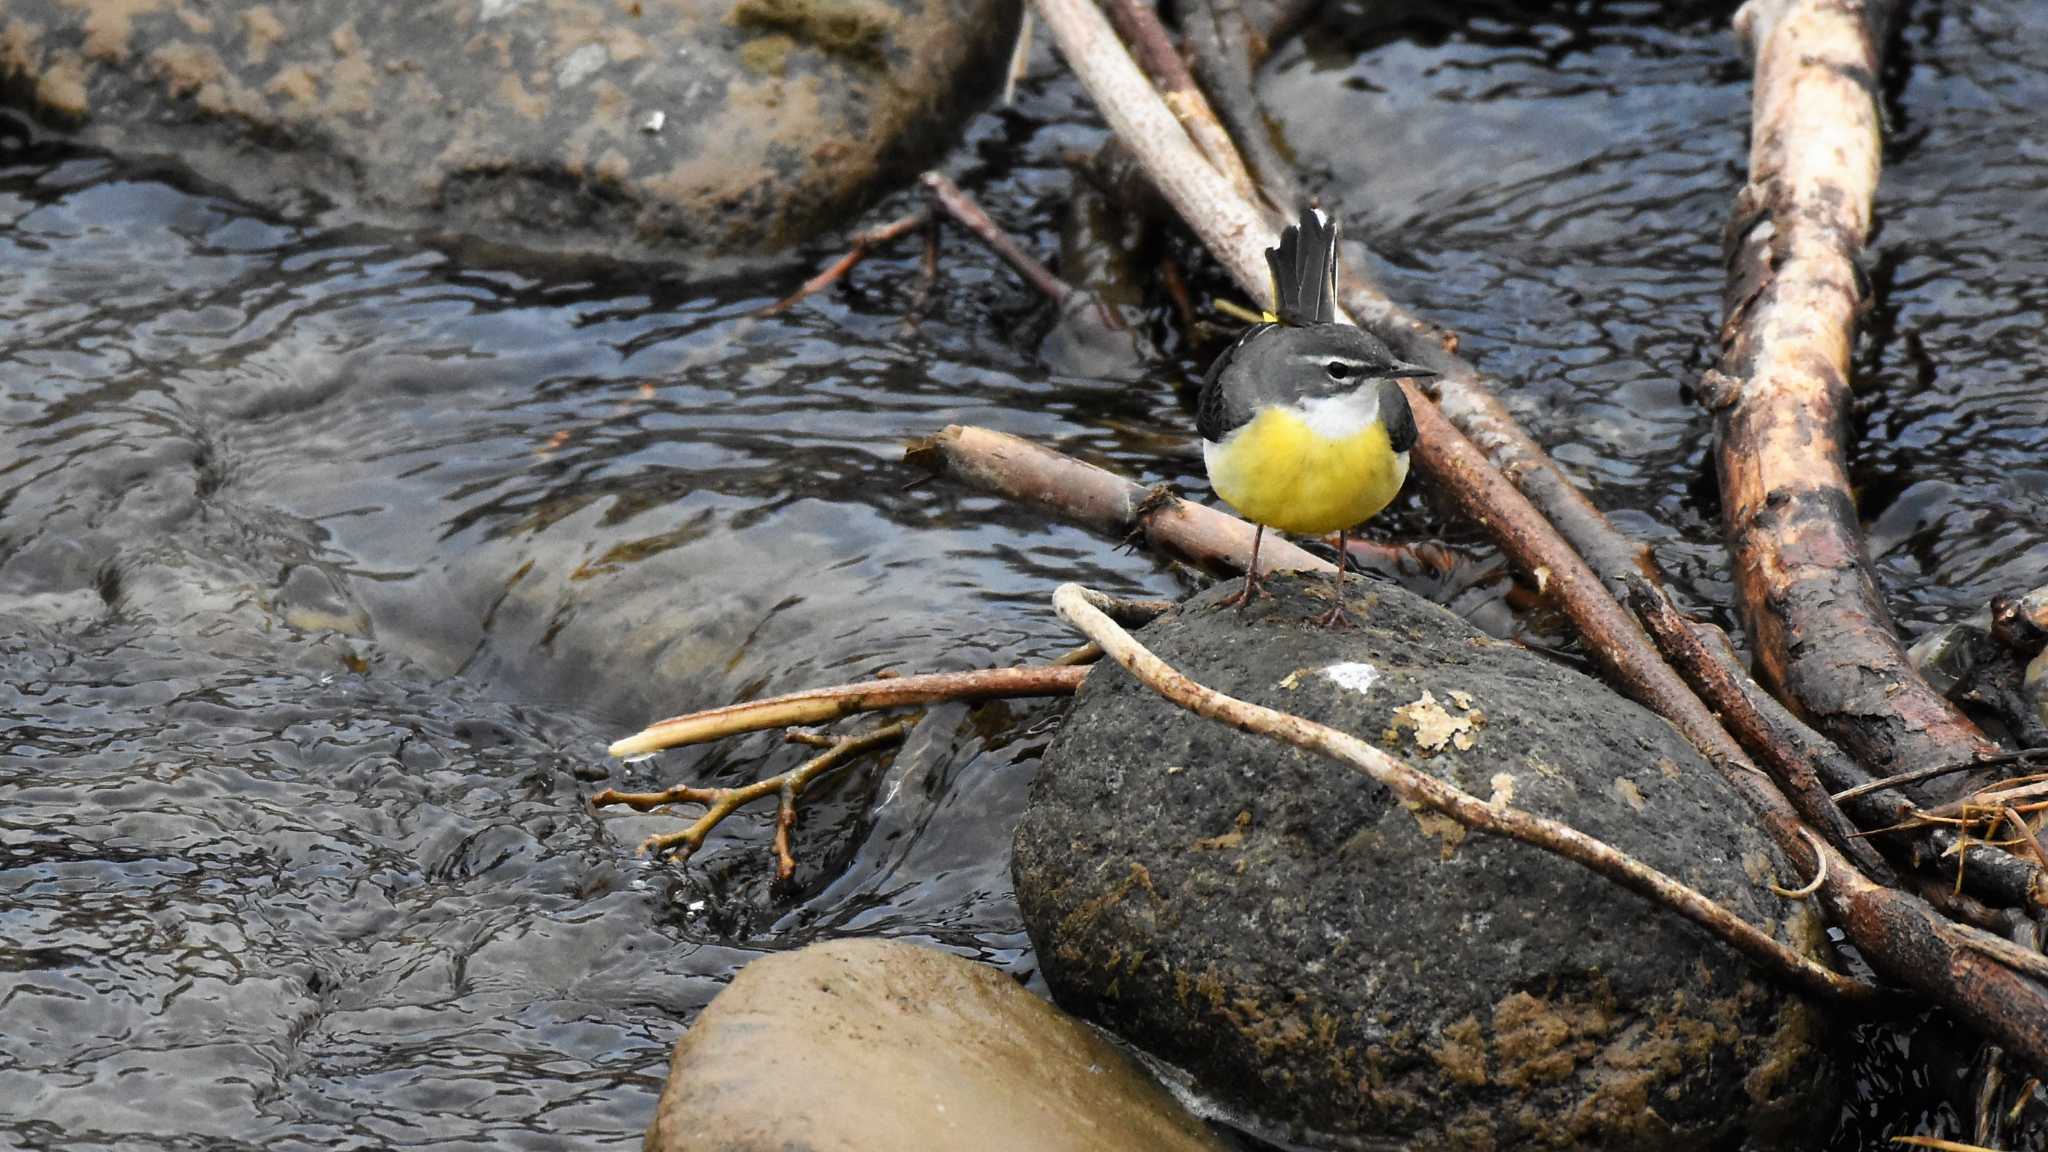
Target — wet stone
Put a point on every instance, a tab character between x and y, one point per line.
640	128
892	1046
1338	965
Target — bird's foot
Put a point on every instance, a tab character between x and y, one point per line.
1253	589
1335	620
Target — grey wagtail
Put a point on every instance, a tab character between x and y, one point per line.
1304	427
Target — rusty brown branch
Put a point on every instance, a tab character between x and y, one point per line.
1781	394
1101	500
956	203
1074	605
1793	772
863	242
1997	876
819	705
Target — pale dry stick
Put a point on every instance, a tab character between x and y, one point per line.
1820	878
1782	398
1232	229
820	705
720	803
1076	605
1153	48
1099	499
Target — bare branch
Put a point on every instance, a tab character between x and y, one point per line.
820	705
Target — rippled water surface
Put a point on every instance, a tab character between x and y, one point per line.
329	560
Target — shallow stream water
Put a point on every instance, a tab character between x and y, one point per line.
331	558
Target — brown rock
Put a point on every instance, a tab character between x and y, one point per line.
871	1044
580	126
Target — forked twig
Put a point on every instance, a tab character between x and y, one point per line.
1077	606
720	803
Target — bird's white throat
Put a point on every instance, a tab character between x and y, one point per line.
1342	416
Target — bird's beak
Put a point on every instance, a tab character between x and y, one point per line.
1406	371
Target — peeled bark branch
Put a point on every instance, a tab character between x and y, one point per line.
1099	499
820	705
1806	592
1075	605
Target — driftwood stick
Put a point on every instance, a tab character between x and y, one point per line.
1793	772
720	803
1075	605
1101	500
1153	48
1781	394
819	705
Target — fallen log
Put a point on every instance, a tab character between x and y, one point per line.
1781	397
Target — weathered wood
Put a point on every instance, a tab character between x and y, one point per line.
1781	395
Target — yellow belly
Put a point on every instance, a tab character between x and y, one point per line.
1279	472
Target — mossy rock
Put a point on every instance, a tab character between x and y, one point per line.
1348	969
644	129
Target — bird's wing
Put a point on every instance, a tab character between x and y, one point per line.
1304	269
1217	412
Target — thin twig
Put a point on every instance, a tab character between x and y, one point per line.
821	705
1076	605
2025	756
864	242
1820	876
720	803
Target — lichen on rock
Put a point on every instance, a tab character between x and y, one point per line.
1349	968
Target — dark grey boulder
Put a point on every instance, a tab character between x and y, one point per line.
1348	969
637	127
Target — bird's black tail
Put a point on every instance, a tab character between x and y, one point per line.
1304	270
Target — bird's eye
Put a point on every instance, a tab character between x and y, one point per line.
1339	370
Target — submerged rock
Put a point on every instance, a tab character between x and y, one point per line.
873	1044
1344	967
638	127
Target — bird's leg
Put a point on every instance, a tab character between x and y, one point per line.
1335	617
1252	587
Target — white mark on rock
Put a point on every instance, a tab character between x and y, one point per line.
654	121
580	64
1353	675
492	9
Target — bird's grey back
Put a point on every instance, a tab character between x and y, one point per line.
1274	364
